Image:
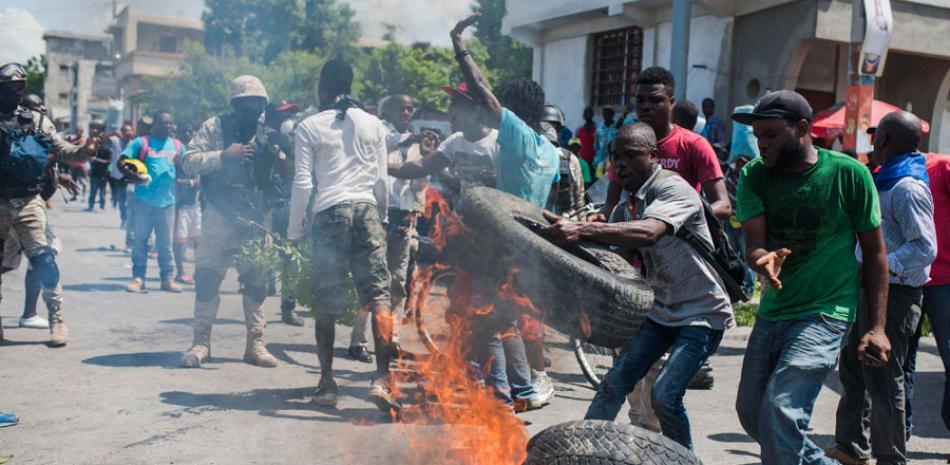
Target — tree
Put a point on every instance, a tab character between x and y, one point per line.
35	74
328	27
510	58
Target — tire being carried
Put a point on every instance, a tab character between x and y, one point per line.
600	442
586	291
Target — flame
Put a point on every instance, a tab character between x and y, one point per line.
584	322
445	222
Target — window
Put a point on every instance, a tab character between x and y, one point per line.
168	44
615	66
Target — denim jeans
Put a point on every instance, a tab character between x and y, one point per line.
737	241
937	308
499	351
785	364
689	347
871	417
97	186
148	218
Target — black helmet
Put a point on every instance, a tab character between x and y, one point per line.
552	114
12	72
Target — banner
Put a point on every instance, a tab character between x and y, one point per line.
857	117
878	28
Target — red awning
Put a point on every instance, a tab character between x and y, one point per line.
829	124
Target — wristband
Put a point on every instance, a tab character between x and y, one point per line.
462	54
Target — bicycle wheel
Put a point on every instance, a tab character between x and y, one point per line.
594	360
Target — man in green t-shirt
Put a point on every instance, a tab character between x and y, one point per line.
803	209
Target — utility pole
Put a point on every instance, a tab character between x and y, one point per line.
871	28
679	53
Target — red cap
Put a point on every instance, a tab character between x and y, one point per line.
287	106
460	91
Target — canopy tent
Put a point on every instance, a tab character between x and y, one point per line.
829	124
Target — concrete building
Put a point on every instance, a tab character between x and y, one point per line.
87	59
149	46
588	52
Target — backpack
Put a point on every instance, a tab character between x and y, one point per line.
24	152
146	142
728	264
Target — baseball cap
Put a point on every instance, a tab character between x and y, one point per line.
460	91
781	104
282	105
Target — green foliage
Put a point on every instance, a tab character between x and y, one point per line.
745	313
35	74
510	58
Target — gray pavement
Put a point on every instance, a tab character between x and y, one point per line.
115	396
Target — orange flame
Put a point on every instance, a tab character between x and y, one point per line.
445	222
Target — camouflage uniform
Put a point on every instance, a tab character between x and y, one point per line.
25	213
226	187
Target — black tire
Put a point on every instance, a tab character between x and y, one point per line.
600	442
584	280
594	360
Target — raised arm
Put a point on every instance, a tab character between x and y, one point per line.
473	76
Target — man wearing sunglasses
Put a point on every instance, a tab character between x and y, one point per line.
28	143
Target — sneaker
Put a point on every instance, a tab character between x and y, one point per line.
525	405
34	322
845	458
137	285
184	279
381	395
169	286
703	379
360	353
325	395
543	386
8	419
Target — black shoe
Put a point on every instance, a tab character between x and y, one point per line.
703	380
360	353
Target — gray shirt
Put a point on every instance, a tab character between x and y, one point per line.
687	290
907	221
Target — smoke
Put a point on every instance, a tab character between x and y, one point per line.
21	35
414	20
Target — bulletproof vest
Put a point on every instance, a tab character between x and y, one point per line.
565	188
24	151
241	188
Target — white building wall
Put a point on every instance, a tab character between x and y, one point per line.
565	80
707	40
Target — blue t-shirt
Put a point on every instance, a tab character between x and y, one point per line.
160	161
527	163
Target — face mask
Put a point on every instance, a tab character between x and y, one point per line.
9	99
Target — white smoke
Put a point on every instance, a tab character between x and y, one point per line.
415	20
21	35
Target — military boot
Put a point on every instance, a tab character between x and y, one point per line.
200	350
287	313
254	352
58	334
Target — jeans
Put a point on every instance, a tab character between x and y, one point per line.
871	418
499	351
689	347
937	308
737	241
785	364
148	218
97	186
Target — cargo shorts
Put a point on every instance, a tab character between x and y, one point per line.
349	239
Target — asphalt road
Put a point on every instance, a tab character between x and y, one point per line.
115	396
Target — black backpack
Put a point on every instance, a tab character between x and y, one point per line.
24	151
728	264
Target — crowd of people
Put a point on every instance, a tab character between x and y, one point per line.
850	256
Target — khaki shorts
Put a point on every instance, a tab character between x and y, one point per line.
27	219
348	238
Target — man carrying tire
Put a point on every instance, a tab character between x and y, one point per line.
803	209
527	167
691	310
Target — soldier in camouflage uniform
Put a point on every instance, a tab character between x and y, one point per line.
235	162
28	141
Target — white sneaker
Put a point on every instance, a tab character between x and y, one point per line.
34	322
543	386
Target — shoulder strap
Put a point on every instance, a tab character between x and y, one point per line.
178	152
143	150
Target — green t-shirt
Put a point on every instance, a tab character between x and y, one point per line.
816	214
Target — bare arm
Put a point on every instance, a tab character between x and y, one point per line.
718	198
763	261
428	166
473	76
625	235
874	279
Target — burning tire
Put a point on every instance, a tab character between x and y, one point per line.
605	443
586	291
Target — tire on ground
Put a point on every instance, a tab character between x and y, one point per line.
586	279
597	442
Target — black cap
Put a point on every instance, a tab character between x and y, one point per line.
782	104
